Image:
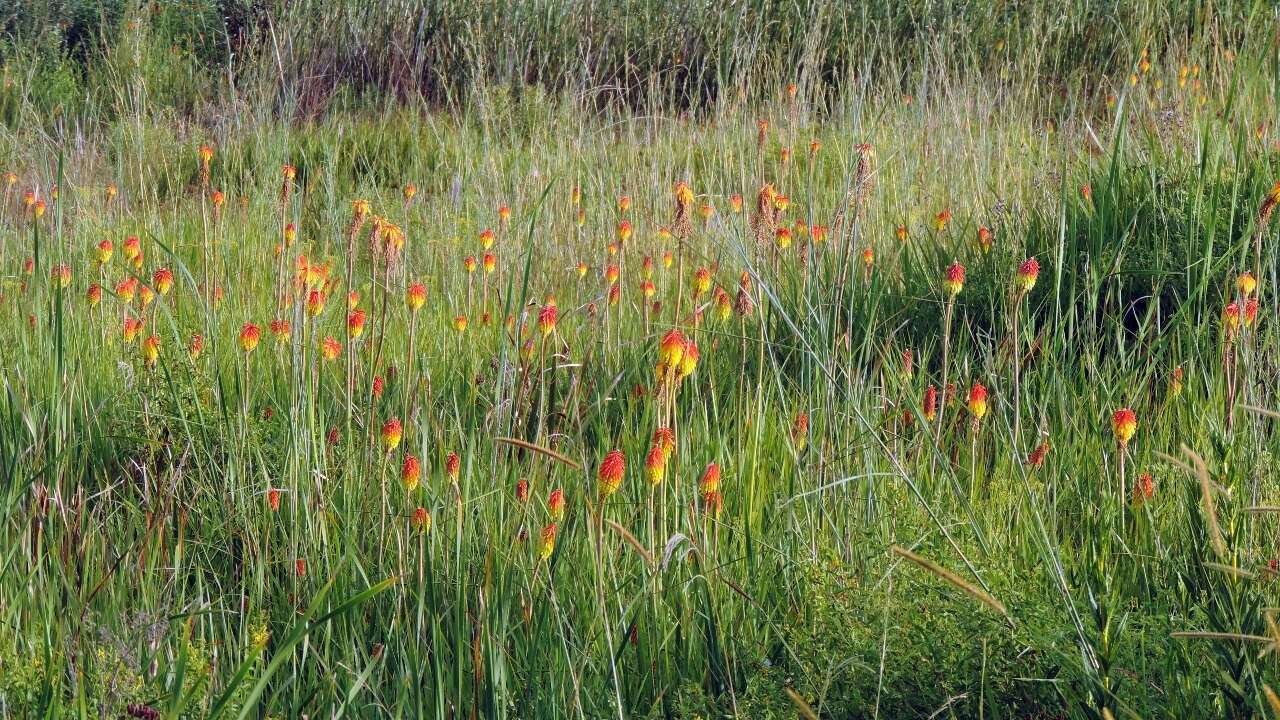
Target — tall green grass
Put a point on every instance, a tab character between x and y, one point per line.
876	566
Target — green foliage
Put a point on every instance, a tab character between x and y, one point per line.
229	534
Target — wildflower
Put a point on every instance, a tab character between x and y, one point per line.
547	319
146	295
985	239
941	220
555	504
132	248
280	330
1028	272
132	326
1143	490
710	481
355	323
1036	459
359	211
783	236
410	473
689	360
409	191
273	499
735	202
421	520
547	542
94	294
930	403
196	346
415	297
486	239
1175	382
504	213
819	233
671	348
581	269
706	211
701	281
610	473
469	264
901	233
290	234
684	193
105	249
250	334
61	276
126	289
1250	311
1124	423
151	351
1246	283
611	274
868	257
624	231
800	430
391	434
978	401
724	306
452	466
953	280
315	303
655	465
330	349
908	364
667	259
218	199
163	280
1231	318
300	567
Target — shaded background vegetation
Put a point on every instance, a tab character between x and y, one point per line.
306	57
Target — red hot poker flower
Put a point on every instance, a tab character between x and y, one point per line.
610	473
555	504
452	466
392	431
953	280
1124	424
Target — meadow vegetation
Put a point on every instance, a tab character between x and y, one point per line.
582	359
